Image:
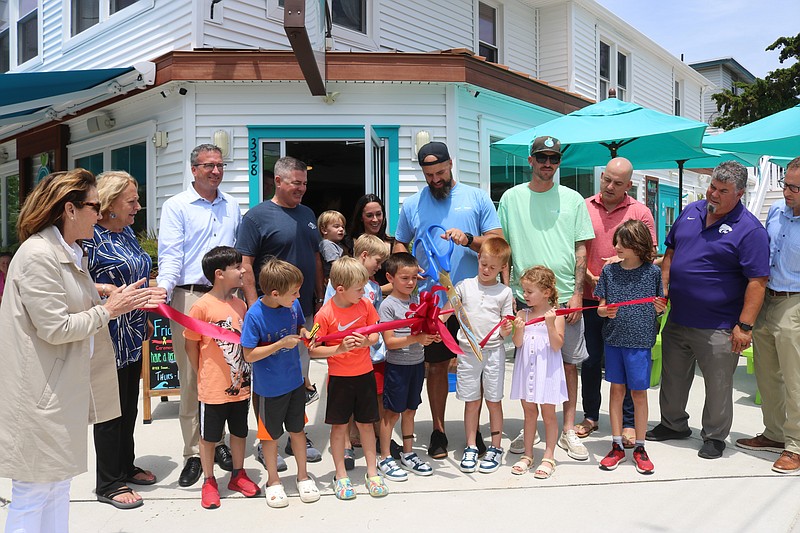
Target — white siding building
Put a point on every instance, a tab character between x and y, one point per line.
397	72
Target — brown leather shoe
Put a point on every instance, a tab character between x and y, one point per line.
787	463
760	443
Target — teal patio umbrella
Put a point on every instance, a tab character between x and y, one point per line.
593	135
775	135
599	132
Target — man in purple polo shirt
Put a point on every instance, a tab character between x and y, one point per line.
608	209
715	273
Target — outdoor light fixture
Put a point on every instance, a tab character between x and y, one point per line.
421	139
160	139
222	140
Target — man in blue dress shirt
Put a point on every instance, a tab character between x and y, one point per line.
192	223
776	335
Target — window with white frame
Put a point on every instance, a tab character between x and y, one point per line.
5	37
678	91
86	13
487	32
613	71
350	14
622	76
27	30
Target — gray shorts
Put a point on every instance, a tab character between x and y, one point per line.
471	373
574	350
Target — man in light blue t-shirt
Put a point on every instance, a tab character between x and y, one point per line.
548	224
468	216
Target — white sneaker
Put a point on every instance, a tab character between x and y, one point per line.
571	443
391	471
518	444
412	462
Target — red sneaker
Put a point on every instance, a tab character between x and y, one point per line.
210	494
642	461
242	483
614	458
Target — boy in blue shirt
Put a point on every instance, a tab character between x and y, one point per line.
273	327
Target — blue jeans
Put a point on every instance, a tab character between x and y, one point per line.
592	369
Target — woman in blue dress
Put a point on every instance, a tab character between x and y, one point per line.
116	258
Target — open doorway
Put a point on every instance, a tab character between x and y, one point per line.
336	172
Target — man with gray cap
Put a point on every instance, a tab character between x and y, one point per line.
715	273
468	216
549	225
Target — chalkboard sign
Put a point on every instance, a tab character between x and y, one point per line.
163	369
159	369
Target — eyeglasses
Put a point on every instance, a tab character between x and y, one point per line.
542	158
794	188
93	205
211	166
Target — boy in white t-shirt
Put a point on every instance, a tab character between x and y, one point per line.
486	302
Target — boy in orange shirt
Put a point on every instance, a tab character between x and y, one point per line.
223	376
351	385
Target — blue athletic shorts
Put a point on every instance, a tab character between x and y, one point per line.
628	366
402	387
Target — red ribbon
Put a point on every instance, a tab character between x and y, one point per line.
567	311
198	326
421	318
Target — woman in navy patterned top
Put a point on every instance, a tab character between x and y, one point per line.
116	258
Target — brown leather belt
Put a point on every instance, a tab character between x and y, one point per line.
784	294
195	288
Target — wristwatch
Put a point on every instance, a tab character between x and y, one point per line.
745	327
470	238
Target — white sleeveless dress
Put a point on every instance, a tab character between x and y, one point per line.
538	375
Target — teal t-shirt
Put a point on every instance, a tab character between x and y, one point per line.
542	229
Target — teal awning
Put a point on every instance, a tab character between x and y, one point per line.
34	97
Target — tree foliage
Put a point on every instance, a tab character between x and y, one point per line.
778	91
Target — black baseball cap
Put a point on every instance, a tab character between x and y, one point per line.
436	149
545	144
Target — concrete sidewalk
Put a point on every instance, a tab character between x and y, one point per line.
736	493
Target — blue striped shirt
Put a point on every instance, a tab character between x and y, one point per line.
783	228
118	259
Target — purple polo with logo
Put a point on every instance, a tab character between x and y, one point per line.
711	266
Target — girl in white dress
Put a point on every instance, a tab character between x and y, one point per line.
538	380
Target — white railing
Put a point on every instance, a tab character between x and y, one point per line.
768	176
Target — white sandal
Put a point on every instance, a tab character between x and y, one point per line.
276	496
309	493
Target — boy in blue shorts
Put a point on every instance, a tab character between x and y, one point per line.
629	334
273	327
223	376
405	370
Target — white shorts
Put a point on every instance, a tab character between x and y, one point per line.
490	372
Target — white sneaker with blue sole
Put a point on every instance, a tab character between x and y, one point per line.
412	463
391	471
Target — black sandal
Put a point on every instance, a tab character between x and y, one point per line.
136	471
108	498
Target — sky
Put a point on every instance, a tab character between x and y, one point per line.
710	29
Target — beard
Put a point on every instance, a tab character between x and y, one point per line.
442	192
711	208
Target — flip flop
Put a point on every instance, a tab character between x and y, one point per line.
585	428
138	481
109	498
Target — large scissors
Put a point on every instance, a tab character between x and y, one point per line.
438	269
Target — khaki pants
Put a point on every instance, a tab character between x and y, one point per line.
183	300
776	356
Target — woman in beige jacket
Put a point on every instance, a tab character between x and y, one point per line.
58	363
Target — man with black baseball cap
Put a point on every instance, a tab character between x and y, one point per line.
469	216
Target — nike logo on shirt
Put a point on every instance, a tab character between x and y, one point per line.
347	326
